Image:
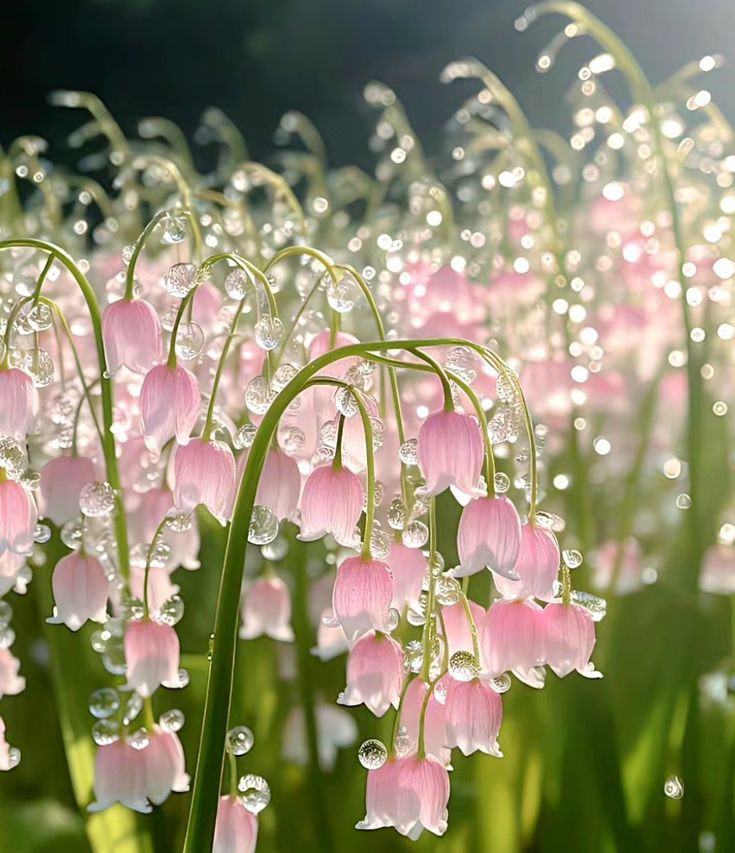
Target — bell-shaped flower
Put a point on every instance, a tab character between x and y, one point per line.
569	637
331	503
362	594
204	473
374	674
80	591
488	536
280	484
151	656
473	712
410	794
331	639
120	777
266	610
457	626
236	829
450	453
169	405
512	640
18	402
62	479
435	734
132	334
17	517
165	767
537	566
11	684
409	567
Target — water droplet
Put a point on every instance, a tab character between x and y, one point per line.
408	452
105	732
372	754
7	637
263	526
283	375
396	514
463	666
683	501
380	543
239	283
268	332
674	788
174	229
39	317
239	740
502	483
104	703
447	591
172	720
245	436
179	280
593	604
41	534
258	395
189	341
139	739
416	535
505	388
13	757
171	611
97	500
346	402
343	295
255	792
572	559
501	683
6	613
132	708
275	550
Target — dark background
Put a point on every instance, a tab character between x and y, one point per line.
258	58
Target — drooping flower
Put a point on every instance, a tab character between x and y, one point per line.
169	405
569	639
204	473
132	333
266	610
457	626
409	566
361	599
488	536
80	591
331	639
11	684
374	674
120	777
17	517
410	794
331	503
280	484
435	734
473	712
450	453
236	830
537	566
165	767
62	479
151	656
17	402
512	640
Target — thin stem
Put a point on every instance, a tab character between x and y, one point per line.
137	249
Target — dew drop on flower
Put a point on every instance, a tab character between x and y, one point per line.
238	284
291	439
189	341
41	533
245	436
6	613
346	402
372	754
502	483
283	375
174	229
171	611
416	535
104	702
268	332
179	280
380	543
275	550
239	740
139	739
258	396
172	720
105	732
39	317
132	708
409	452
179	522
463	666
572	559
13	757
7	637
674	788
396	514
448	590
501	683
593	604
263	526
343	294
97	499
255	792
505	388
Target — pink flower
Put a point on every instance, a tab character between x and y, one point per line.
204	473
374	674
11	684
17	402
132	333
80	591
457	625
362	594
266	610
330	638
169	405
331	503
11	576
489	536
17	517
336	728
120	777
280	484
410	794
473	712
151	655
435	733
537	566
570	638
409	567
165	769
512	639
450	452
62	479
236	830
